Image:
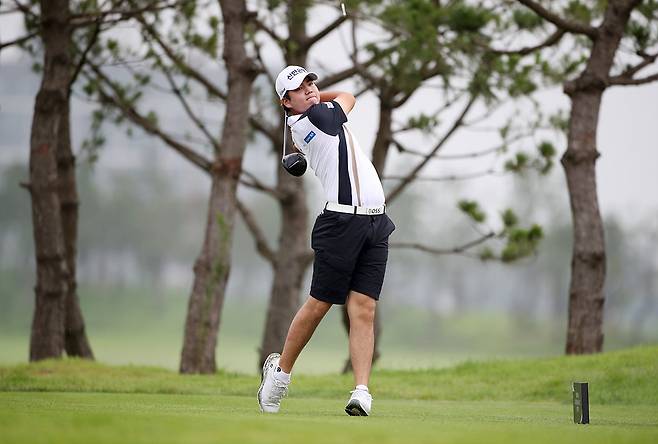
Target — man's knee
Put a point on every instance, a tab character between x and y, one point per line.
361	308
316	308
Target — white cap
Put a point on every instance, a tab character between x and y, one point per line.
290	78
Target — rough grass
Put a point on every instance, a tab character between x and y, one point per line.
622	377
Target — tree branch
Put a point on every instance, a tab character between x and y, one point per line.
336	77
188	110
333	25
264	128
24	8
633	82
349	72
403	149
88	18
446	105
361	69
9	11
628	74
560	22
424	75
550	41
147	125
83	57
19	40
259	57
412	175
259	237
256	121
438	251
648	59
278	39
260	186
449	178
183	66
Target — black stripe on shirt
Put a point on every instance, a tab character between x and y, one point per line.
344	184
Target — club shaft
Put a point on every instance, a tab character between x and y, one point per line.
285	123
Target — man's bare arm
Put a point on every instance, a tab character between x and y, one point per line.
344	99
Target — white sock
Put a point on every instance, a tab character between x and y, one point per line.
281	375
362	387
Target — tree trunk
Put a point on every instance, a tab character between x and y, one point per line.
290	264
289	267
588	263
211	269
211	272
585	328
383	139
75	337
47	337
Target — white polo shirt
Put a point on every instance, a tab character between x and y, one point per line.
346	173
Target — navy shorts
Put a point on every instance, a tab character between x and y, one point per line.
350	254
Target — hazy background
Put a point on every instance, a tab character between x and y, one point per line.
143	211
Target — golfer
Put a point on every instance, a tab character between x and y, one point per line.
350	236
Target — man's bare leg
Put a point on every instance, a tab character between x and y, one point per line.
361	311
301	329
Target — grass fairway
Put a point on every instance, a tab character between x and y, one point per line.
137	418
71	401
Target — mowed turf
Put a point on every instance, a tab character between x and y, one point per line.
71	401
137	418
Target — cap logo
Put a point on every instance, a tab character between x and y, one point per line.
294	72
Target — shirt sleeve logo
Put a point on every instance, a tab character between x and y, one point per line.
309	137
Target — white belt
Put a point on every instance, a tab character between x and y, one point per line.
353	209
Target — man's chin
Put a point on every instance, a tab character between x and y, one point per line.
306	106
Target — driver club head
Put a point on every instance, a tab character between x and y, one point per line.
294	163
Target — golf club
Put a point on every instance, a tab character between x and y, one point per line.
294	163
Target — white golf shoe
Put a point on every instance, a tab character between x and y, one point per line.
359	404
271	390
